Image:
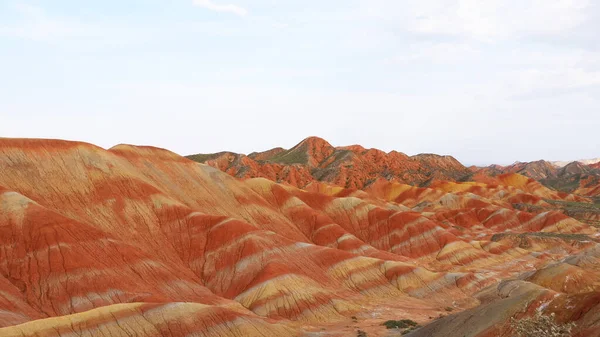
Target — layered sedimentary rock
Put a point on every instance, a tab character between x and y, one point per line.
579	177
141	241
314	159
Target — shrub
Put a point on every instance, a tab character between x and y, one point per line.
401	324
541	326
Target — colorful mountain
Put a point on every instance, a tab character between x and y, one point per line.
576	177
314	159
311	241
587	162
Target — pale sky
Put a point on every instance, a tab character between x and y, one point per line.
487	81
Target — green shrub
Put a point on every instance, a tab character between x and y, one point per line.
401	324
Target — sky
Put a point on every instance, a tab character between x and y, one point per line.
487	81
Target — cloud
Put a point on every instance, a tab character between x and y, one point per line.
536	83
481	20
208	4
435	53
530	73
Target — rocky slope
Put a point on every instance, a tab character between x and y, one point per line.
575	177
138	241
588	162
314	159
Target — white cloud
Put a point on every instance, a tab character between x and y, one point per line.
208	4
535	83
526	73
280	25
482	20
437	53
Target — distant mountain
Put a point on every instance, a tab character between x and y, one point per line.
575	177
537	170
314	159
582	161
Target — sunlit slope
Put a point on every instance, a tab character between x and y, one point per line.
139	239
314	159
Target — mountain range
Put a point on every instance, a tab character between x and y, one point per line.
582	161
316	240
314	159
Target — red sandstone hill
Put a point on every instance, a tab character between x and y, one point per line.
537	170
575	177
138	241
314	159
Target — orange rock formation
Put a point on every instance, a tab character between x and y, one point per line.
139	241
